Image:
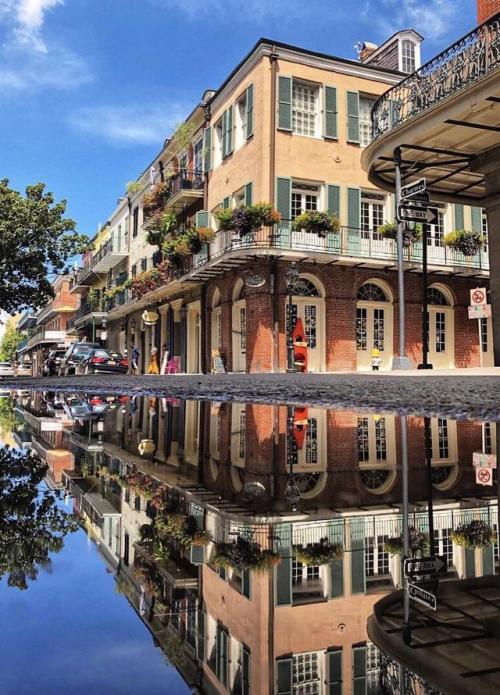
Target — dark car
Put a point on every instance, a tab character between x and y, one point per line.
74	356
101	360
50	367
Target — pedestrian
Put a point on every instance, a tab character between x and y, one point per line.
153	361
376	360
135	354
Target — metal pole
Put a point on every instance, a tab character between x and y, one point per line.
406	544
401	361
425	310
428	465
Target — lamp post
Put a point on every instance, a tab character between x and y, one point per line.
291	277
292	492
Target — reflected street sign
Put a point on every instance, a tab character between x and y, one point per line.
422	596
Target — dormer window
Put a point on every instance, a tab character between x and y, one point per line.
407	56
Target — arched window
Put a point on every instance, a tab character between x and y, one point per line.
437	297
370	292
375	479
305	288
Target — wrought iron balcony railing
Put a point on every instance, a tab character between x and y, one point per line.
473	57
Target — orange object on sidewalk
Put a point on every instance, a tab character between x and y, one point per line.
299	346
299	426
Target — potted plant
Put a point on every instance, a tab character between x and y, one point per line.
176	249
468	243
155	200
206	234
93	298
474	534
247	219
389	230
418	542
316	222
320	553
242	554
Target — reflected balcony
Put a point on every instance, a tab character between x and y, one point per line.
107	257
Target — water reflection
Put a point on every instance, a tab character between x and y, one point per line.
254	540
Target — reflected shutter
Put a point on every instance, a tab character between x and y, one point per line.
459	216
358	583
334	672
284	676
336	535
352	116
249	107
488	565
477	219
470	562
245	583
200	643
359	670
330	119
245	670
284	569
284	103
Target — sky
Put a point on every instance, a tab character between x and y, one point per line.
89	89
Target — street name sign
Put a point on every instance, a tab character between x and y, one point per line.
478	296
484	476
417	213
422	596
414	567
413	189
480	311
418	199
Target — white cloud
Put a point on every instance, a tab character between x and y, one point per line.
140	124
432	18
255	11
25	19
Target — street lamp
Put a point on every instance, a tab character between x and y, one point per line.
291	277
292	492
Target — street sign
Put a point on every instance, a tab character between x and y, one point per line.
413	188
478	296
414	213
480	460
414	567
484	476
422	596
480	311
418	199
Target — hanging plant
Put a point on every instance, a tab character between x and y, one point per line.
468	243
176	249
389	230
321	553
133	187
247	219
160	228
475	534
155	200
206	234
320	223
93	299
225	219
242	554
182	529
418	542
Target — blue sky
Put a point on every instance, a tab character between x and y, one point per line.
89	89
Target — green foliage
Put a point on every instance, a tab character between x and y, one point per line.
475	534
133	187
389	230
242	554
183	134
181	529
247	219
161	228
93	299
8	419
418	543
320	553
468	243
35	241
225	219
320	223
10	341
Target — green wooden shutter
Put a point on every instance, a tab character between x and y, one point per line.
207	149
249	107
488	564
284	103
201	218
336	535
221	655
359	670
197	554
333	199
200	643
330	118
229	127
459	216
248	193
283	576
470	562
226	202
245	670
284	676
284	207
358	583
352	116
353	220
245	583
477	219
334	672
224	134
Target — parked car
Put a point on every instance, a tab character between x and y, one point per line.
101	360
24	369
6	369
50	367
71	363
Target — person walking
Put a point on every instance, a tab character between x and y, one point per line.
135	354
153	367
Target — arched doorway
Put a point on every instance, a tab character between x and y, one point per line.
377	452
374	318
441	327
239	327
308	304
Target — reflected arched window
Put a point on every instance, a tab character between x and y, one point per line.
437	297
305	288
370	292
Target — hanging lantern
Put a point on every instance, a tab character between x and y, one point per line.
149	318
146	447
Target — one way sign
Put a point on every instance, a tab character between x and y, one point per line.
414	213
413	567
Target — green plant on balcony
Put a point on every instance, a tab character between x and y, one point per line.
111	292
418	543
247	219
242	554
468	243
155	200
316	222
183	134
474	534
320	553
181	529
206	234
389	230
133	187
94	299
150	280
162	227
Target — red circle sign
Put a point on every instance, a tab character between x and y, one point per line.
478	297
484	475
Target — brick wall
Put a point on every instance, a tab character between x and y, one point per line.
486	9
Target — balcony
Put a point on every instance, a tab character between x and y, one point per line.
442	116
348	246
183	188
87	312
57	306
44	337
107	257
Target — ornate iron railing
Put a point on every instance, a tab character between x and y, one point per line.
471	58
398	680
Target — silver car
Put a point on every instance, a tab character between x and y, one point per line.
6	369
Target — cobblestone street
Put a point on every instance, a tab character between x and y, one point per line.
473	394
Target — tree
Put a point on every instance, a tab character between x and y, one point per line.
10	341
36	240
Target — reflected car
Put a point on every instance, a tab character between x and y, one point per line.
73	358
51	365
100	360
6	369
24	369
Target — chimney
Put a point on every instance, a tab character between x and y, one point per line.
367	48
486	9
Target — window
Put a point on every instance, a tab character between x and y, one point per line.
198	157
219	139
363	439
361	323
305	109
133	270
144	264
487	440
407	56
370	292
376	557
373	663
436	231
372	214
241	121
312	441
484	229
183	164
443	447
135	222
483	330
443	544
381	439
440	331
365	121
306	674
372	433
239	198
304	197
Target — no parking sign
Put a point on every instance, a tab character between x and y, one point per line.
478	296
484	476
